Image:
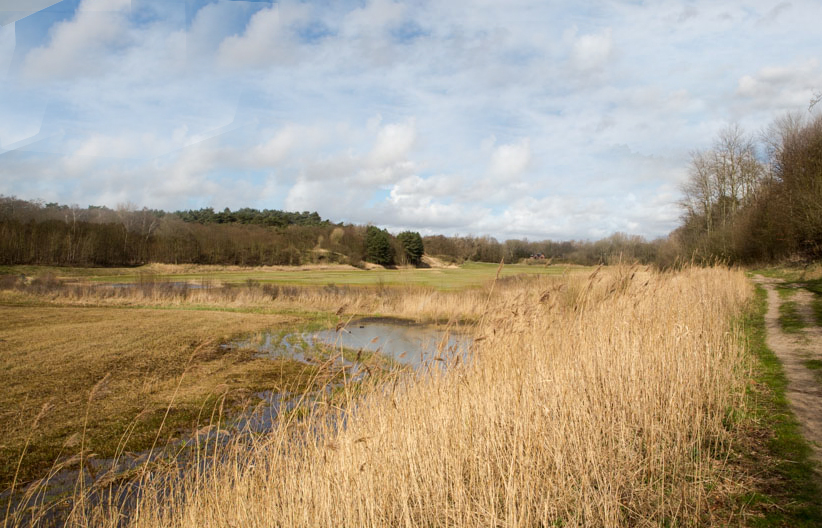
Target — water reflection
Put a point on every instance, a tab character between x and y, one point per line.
399	341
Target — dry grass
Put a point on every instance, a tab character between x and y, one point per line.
588	402
415	302
57	356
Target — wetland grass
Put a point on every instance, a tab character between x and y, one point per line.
420	303
588	401
57	354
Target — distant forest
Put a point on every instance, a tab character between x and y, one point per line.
33	232
747	200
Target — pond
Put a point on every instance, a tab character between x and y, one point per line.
401	342
397	342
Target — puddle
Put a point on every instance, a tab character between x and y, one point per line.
170	284
400	342
394	342
407	344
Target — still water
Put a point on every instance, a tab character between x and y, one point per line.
400	341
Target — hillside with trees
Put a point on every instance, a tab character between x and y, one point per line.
35	233
52	234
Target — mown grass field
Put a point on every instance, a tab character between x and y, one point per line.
470	274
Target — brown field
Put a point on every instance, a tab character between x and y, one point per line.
53	358
589	401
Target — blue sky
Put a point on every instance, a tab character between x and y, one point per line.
513	119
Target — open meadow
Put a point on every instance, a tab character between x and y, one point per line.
152	352
616	396
470	274
390	263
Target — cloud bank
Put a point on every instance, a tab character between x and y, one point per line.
515	119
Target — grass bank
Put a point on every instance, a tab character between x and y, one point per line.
469	275
422	303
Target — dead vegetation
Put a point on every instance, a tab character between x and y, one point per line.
420	303
54	357
588	401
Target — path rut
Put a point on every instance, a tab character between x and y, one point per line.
804	391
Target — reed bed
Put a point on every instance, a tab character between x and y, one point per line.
598	401
421	303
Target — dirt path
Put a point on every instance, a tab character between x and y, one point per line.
804	390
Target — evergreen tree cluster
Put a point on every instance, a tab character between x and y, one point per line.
246	215
412	246
378	246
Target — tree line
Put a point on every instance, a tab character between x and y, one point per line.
36	233
246	215
752	199
612	249
32	232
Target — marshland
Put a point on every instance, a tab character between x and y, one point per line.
380	263
615	395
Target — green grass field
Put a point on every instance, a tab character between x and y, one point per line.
471	274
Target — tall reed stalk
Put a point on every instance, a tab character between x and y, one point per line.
587	401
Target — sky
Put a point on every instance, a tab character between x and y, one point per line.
514	119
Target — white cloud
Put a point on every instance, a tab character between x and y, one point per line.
772	15
782	87
508	162
493	119
8	42
342	182
393	144
373	18
82	45
276	149
592	52
267	40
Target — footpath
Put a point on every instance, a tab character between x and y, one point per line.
800	353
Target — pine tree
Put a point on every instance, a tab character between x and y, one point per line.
411	242
378	246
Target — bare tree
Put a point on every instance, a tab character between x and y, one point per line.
701	191
815	99
722	181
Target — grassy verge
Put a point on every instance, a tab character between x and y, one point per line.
787	493
815	286
815	365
